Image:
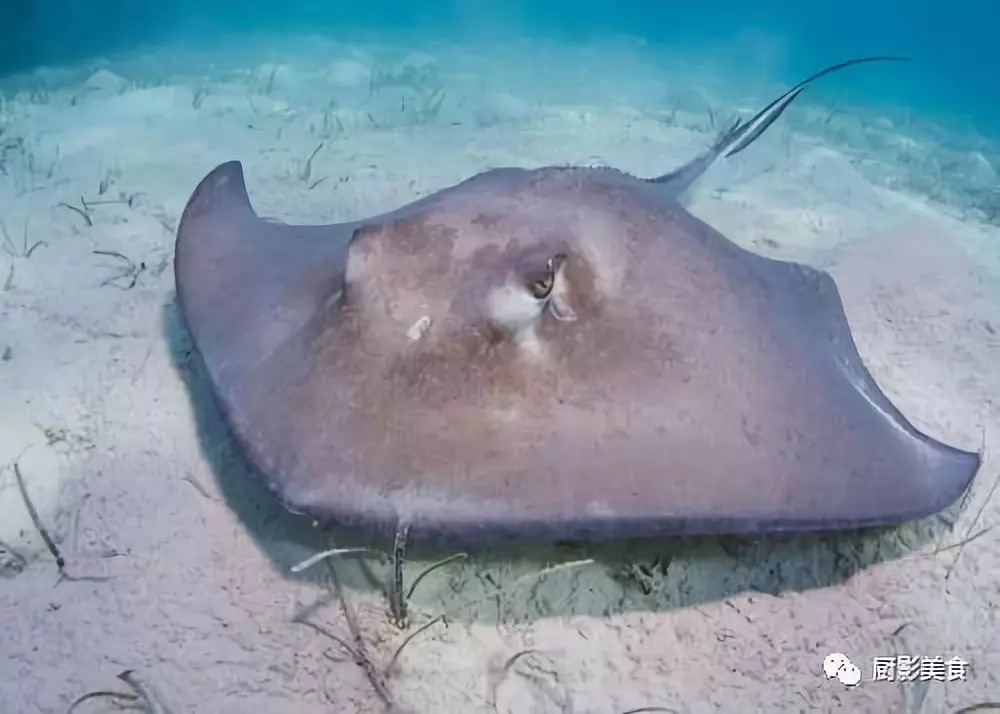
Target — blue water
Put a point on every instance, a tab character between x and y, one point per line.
955	44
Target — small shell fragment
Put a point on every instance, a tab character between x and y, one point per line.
418	328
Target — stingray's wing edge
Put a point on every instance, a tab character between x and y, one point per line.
949	471
244	284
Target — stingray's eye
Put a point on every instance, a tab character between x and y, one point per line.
541	288
541	285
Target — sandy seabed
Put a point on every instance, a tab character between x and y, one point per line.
178	567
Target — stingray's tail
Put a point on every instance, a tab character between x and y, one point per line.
743	133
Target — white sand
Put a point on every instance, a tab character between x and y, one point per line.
183	564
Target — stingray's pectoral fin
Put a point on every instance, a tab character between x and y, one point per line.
742	134
245	285
222	191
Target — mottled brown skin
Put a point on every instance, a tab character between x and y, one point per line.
666	381
701	387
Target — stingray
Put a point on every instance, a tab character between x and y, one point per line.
560	353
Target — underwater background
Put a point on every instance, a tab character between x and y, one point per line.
954	43
183	572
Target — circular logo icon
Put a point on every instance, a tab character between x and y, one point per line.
833	662
837	664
